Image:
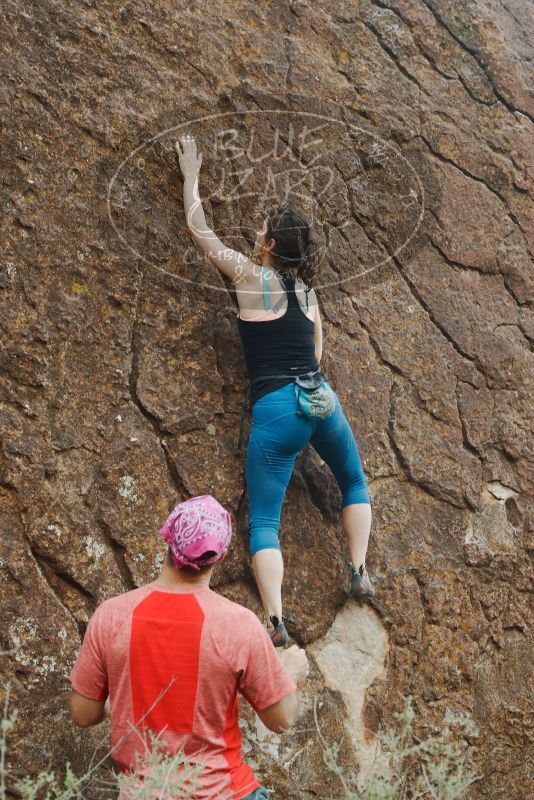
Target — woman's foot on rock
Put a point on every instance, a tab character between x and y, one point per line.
278	632
360	584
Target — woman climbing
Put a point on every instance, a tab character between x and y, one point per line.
292	402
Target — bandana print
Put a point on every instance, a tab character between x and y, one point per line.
193	520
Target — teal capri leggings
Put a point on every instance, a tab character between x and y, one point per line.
277	436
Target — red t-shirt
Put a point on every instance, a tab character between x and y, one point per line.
175	662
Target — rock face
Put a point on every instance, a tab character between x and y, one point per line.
404	130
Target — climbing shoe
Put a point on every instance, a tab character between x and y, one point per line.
278	634
360	584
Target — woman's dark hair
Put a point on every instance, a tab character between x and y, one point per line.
296	246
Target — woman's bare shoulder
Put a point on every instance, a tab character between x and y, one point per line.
249	290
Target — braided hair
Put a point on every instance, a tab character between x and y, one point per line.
296	247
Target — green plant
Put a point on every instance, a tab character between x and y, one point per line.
434	768
6	726
166	776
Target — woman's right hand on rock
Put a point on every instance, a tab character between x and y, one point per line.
190	162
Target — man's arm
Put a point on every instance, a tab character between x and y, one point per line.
269	681
88	677
281	716
85	711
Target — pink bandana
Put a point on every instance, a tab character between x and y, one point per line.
197	526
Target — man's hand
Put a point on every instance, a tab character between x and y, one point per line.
190	162
295	661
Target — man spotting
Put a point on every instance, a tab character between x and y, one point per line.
173	655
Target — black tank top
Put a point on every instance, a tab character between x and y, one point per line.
284	345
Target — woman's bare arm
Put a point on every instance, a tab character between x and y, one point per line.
237	266
318	331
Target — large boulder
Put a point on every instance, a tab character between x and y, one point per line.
404	130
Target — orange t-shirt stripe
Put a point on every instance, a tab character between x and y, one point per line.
159	659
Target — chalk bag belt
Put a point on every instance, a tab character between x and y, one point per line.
309	380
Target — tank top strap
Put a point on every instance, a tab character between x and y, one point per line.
288	282
266	290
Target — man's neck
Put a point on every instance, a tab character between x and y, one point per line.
171	578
